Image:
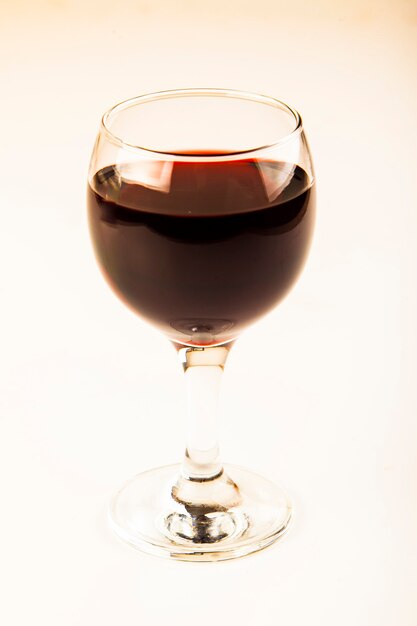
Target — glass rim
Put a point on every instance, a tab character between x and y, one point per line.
190	92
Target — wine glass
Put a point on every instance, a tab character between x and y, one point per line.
201	208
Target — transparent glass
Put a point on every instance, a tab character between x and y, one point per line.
201	207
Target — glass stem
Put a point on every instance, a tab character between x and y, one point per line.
203	369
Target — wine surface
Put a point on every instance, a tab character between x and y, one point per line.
201	249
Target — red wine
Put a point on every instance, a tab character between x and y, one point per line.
201	248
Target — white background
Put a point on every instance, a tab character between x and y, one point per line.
321	395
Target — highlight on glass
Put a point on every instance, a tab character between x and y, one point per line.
201	206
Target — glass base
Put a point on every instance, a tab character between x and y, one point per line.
162	512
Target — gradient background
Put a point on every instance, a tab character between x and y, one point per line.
321	395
